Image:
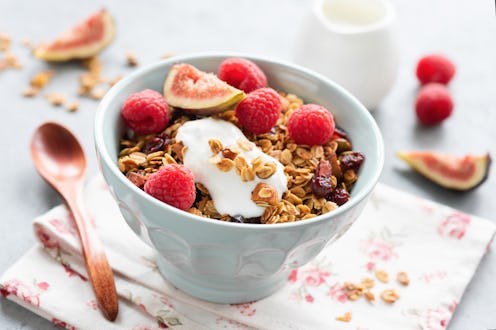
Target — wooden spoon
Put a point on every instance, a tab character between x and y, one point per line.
59	158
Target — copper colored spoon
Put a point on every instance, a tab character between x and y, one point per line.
59	158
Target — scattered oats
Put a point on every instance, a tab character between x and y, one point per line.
225	164
286	157
92	77
168	159
349	286
266	170
30	91
368	282
403	278
390	295
26	43
257	163
93	64
354	295
369	296
247	174
240	163
245	145
41	79
131	59
382	275
215	146
72	107
167	55
56	99
97	94
9	60
346	317
303	153
4	42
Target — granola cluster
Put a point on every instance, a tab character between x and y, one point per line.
141	156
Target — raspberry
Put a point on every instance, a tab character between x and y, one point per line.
311	124
435	68
145	112
242	74
433	104
259	111
173	184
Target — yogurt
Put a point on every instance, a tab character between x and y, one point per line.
229	193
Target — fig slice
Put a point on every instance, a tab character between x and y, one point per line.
199	92
453	172
84	40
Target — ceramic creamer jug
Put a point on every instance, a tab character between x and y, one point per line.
352	42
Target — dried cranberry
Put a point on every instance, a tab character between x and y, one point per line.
339	196
351	160
321	186
321	183
156	143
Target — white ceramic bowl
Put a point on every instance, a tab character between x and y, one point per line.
230	262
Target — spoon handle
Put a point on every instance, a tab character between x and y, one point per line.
97	266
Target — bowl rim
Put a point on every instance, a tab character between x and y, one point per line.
104	155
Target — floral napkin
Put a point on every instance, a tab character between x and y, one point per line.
438	248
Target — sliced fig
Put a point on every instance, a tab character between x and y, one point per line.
84	40
450	171
198	92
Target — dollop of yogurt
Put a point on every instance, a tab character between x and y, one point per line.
229	193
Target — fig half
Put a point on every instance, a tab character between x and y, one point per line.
453	172
198	92
84	40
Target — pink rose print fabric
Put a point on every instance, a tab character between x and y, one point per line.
394	233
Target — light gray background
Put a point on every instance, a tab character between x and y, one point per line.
463	29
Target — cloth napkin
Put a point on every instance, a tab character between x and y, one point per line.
438	247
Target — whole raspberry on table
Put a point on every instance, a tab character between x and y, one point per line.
259	111
242	74
435	68
173	184
311	124
433	104
145	112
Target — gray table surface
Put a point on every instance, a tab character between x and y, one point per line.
463	29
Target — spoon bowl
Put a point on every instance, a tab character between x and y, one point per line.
60	160
58	154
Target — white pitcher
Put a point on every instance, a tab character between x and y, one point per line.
352	42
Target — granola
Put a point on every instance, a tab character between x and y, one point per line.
300	163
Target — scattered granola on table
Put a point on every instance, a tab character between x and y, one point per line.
131	58
390	295
4	42
346	317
